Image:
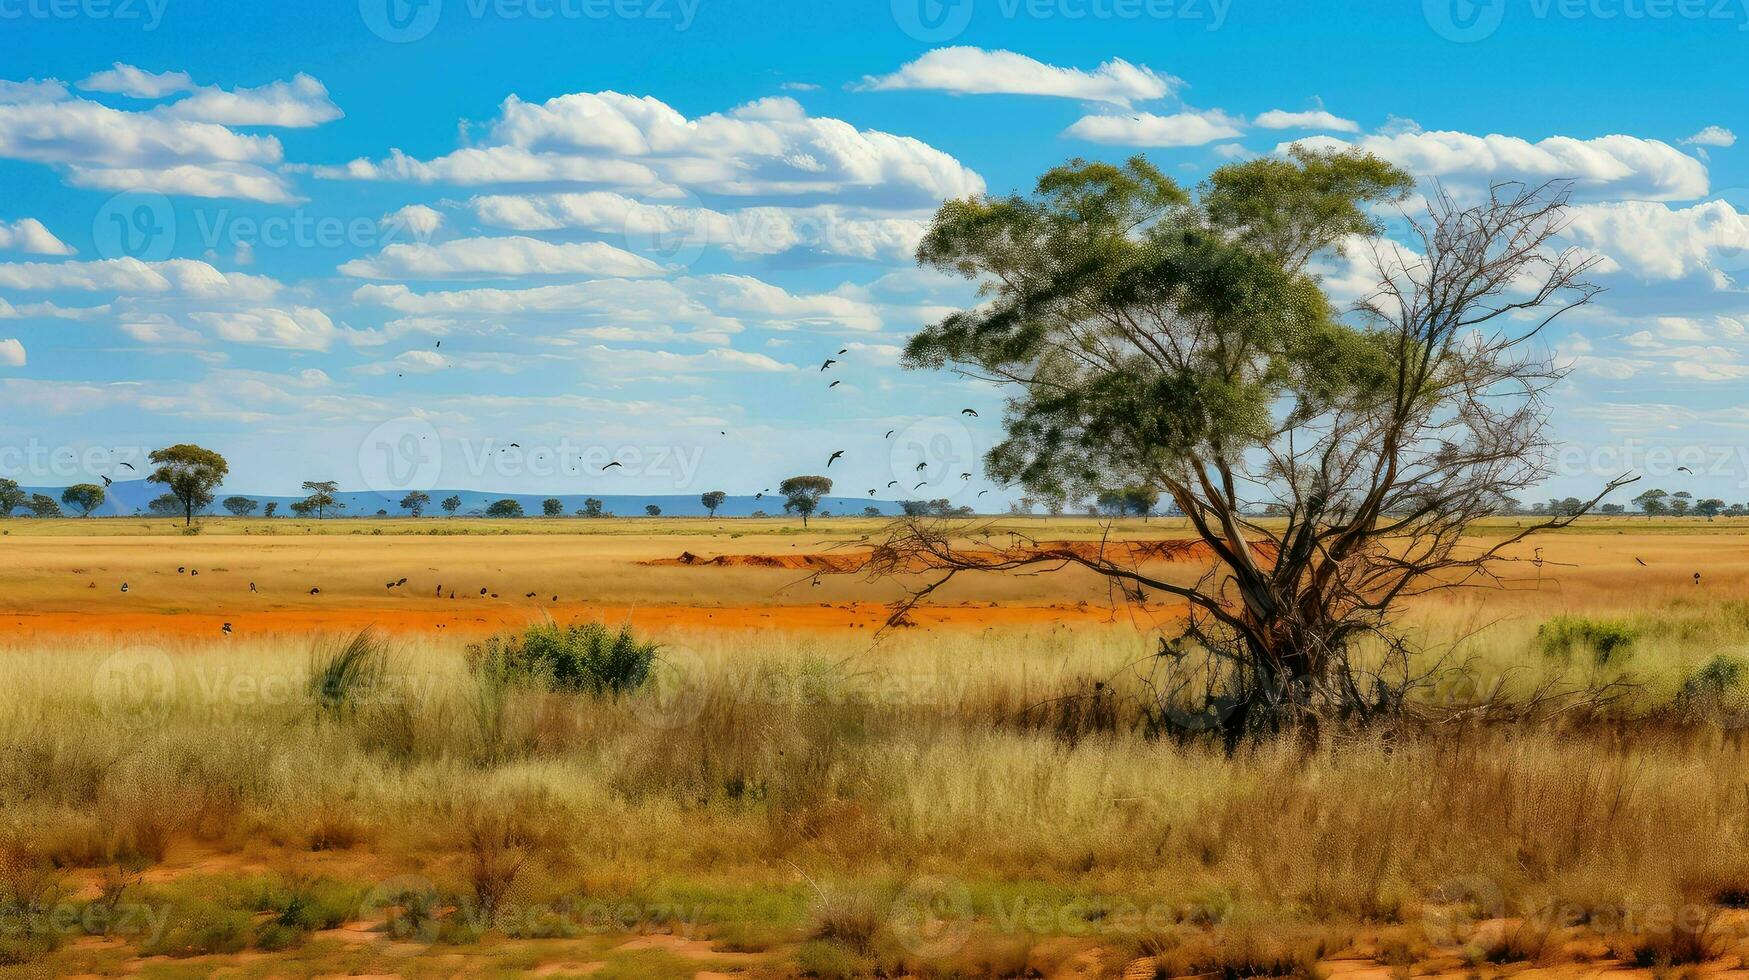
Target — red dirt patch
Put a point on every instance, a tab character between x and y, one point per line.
839	562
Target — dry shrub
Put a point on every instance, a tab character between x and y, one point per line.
1245	953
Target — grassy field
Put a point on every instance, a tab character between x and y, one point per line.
985	795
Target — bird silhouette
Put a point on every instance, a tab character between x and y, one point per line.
124	586
225	629
251	586
889	434
106	480
528	595
130	466
181	569
482	591
612	465
1684	469
982	492
315	591
440	343
828	363
871	491
830	459
965	476
919	467
1641	563
892	483
758	496
843	350
967	411
921	484
834	384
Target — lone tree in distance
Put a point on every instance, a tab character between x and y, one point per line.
11	497
451	504
191	474
801	494
552	507
323	498
504	508
83	497
712	499
1150	337
415	502
239	506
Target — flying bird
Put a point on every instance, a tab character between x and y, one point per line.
871	491
982	492
758	495
440	343
1684	469
834	384
889	434
611	465
1641	562
830	459
921	485
919	467
965	476
892	483
106	480
843	350
181	569
967	411
828	363
528	595
130	466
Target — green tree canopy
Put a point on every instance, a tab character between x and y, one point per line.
191	473
801	494
240	506
83	497
11	497
323	498
712	499
415	502
552	507
504	508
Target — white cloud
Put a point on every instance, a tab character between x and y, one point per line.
1187	128
975	71
1655	241
1712	136
188	277
29	235
32	90
1621	166
1312	119
613	140
295	328
138	83
417	220
298	103
11	353
827	229
487	258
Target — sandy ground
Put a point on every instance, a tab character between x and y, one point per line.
698	576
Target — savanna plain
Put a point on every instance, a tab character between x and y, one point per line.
698	748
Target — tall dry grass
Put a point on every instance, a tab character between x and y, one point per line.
1006	760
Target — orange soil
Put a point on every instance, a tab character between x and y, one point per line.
1173	550
349	618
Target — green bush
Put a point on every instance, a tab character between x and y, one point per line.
581	658
343	677
1718	688
1607	640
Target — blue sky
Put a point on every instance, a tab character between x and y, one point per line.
637	227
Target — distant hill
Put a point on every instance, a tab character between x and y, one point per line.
131	497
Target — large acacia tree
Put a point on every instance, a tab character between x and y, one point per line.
191	473
1155	338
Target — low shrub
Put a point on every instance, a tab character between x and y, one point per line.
582	658
1606	640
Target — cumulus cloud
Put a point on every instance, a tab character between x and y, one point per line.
490	258
975	71
826	229
1311	119
1620	166
295	328
29	235
628	142
180	147
138	82
1712	136
416	220
1187	128
1655	241
11	353
189	277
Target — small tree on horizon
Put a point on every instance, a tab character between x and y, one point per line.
451	504
43	505
11	497
652	510
165	505
801	494
322	498
591	507
83	497
712	499
552	507
190	472
240	506
504	508
415	503
272	506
